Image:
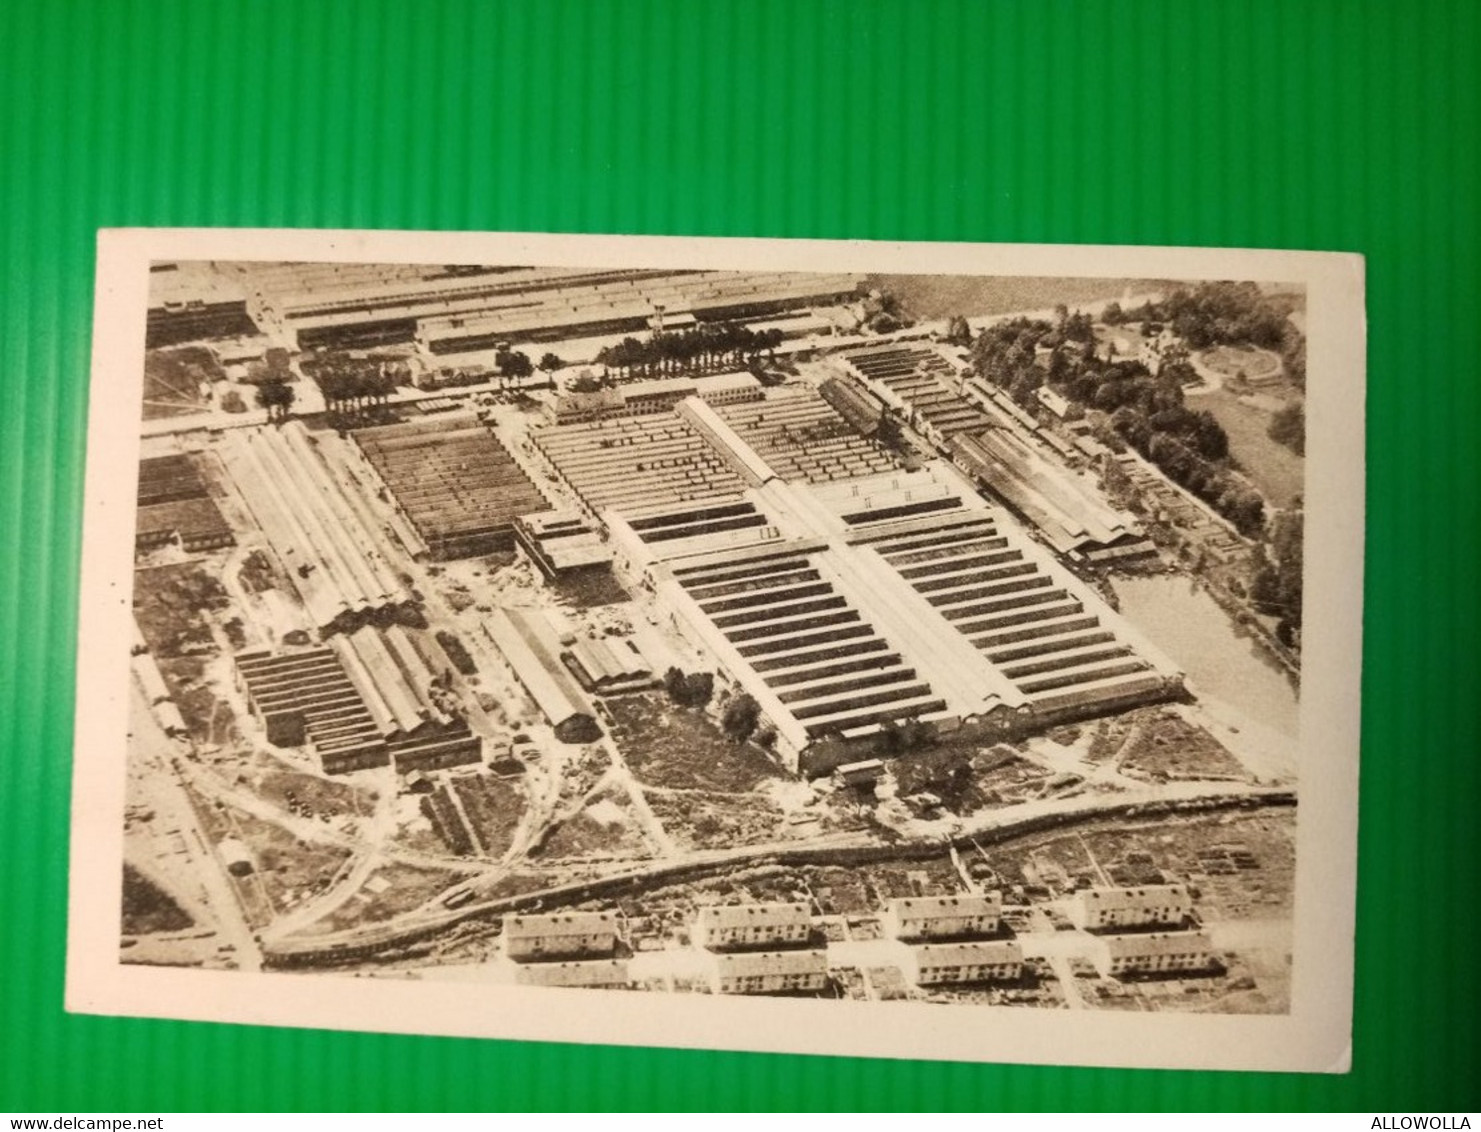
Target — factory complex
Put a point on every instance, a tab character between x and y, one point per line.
734	651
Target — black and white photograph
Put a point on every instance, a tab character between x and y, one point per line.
899	649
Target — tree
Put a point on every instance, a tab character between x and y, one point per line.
891	433
275	360
1209	436
276	397
699	687
1288	427
514	364
1264	579
549	363
692	690
1058	366
959	331
740	718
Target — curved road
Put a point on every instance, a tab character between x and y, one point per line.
1020	819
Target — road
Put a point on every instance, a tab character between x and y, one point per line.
994	826
158	772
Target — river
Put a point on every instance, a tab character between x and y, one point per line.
1226	669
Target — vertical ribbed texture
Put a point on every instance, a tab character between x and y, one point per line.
1281	123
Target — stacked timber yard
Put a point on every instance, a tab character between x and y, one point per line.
664	630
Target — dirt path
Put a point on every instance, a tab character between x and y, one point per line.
1001	824
161	779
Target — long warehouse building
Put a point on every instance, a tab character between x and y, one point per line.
327	542
844	606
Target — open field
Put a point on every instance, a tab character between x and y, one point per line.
969	778
172	379
169	602
147	908
1231	361
390	891
289	870
1277	471
1167	746
717	821
680	748
287	788
942	296
606	828
493	806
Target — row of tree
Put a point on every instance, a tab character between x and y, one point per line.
1275	574
353	384
701	348
1146	411
1213	314
277	398
693	689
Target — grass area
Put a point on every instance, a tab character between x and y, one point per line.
390	891
942	296
1231	361
604	829
168	604
589	590
172	379
718	821
147	908
257	573
682	749
205	716
1169	747
494	806
289	870
274	780
1273	468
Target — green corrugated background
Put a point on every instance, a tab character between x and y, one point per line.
1279	123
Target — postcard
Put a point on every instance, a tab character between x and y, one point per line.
938	651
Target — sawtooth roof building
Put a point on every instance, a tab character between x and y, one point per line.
996	443
174	503
844	605
367	700
455	483
448	310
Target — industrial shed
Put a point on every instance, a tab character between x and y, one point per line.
609	665
532	650
456	484
327	541
174	502
368	700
